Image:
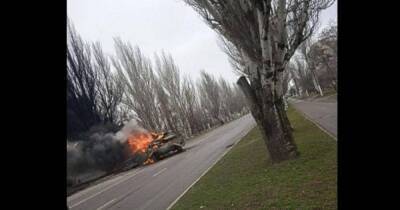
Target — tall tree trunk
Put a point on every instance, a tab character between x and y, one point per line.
271	118
296	87
332	74
334	85
316	82
282	113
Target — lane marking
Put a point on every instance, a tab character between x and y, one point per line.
204	173
104	205
123	176
110	186
156	174
109	180
122	197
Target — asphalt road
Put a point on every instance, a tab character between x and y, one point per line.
158	185
322	112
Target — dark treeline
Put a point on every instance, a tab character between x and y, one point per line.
104	92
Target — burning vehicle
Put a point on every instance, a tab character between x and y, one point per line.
163	146
149	147
104	153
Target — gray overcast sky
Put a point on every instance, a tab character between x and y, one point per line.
156	25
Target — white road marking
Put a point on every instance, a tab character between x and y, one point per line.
94	187
156	174
104	189
204	173
113	202
104	205
128	193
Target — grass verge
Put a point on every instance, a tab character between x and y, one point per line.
245	178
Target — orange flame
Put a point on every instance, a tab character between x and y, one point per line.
139	142
148	161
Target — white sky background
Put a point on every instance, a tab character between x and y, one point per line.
156	25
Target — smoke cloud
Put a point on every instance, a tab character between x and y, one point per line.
101	150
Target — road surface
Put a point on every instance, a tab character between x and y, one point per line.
158	185
322	112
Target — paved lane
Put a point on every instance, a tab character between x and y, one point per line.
158	185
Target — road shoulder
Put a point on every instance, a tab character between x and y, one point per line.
247	180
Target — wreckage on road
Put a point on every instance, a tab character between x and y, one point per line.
164	145
147	148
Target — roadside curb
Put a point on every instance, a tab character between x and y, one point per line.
205	172
315	123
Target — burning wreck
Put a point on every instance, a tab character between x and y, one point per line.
147	147
104	153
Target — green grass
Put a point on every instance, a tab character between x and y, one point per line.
315	95
330	92
245	179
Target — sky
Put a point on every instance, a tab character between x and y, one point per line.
156	25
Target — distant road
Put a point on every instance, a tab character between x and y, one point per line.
158	185
322	112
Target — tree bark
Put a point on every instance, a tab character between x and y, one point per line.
316	82
282	112
334	85
272	119
296	87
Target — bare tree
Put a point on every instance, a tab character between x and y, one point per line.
189	105
210	96
124	113
109	88
323	62
234	57
323	56
226	97
285	81
239	104
305	77
305	49
165	107
82	108
93	90
170	79
293	76
136	73
330	33
266	33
